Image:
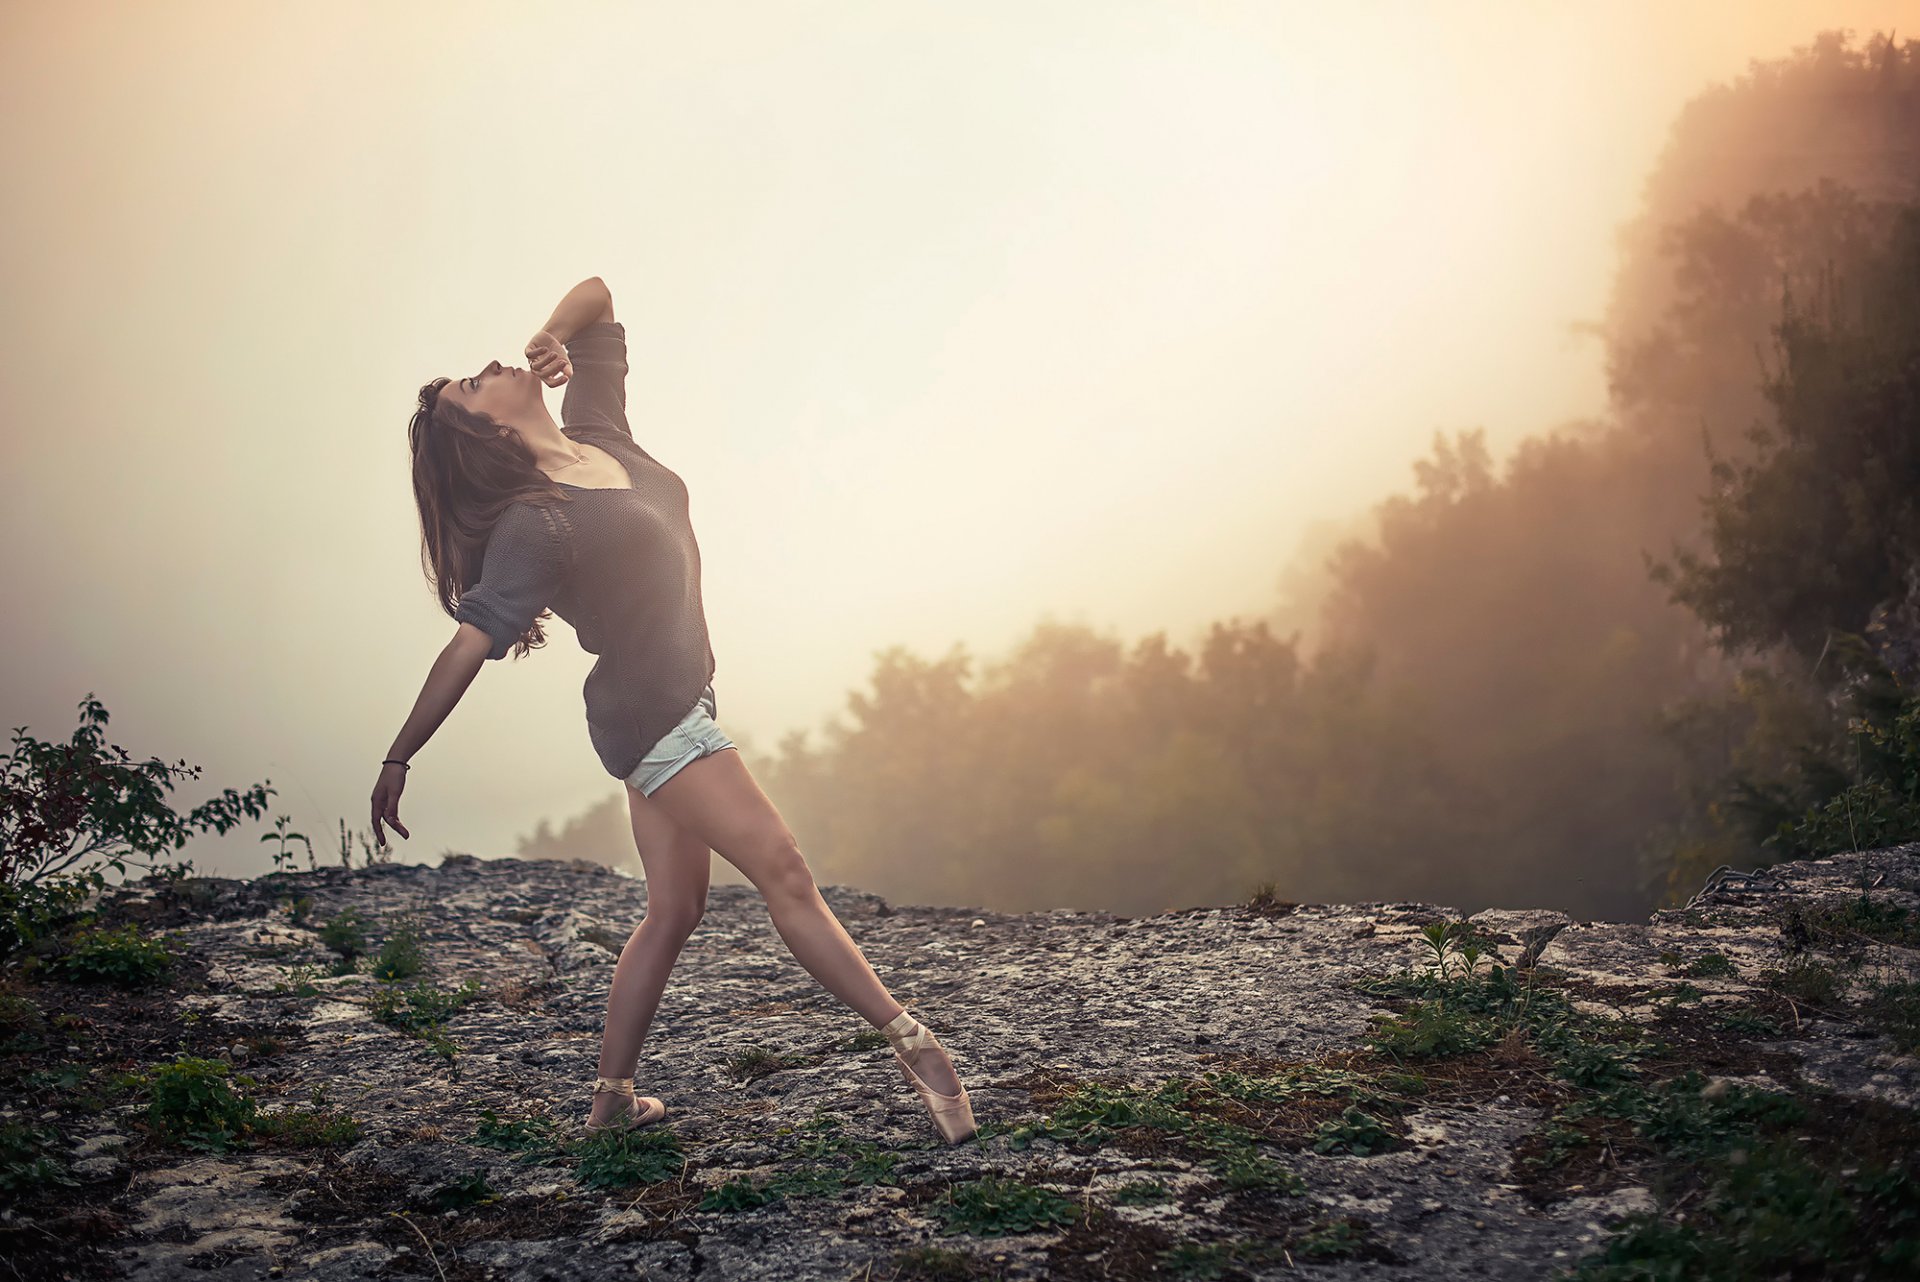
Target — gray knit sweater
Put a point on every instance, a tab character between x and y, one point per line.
619	565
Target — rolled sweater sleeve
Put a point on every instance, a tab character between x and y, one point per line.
596	395
520	572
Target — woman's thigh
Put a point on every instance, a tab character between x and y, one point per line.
676	860
717	800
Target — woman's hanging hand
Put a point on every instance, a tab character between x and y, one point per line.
386	801
547	358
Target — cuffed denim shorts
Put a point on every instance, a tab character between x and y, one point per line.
695	737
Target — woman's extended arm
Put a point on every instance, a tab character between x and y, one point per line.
585	303
452	672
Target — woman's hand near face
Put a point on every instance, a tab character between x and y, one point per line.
547	358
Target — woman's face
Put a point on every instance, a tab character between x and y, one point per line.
501	392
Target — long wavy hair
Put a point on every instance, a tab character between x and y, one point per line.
466	470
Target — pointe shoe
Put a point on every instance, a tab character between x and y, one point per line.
952	1114
631	1119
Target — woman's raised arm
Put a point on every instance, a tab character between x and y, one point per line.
585	304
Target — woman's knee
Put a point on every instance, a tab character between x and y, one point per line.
677	915
780	869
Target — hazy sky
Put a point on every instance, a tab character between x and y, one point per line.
952	317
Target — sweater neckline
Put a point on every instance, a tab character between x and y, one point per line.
616	488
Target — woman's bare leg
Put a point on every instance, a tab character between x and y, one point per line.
717	800
677	864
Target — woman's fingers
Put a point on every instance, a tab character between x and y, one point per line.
386	807
548	361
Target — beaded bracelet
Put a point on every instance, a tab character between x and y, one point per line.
391	762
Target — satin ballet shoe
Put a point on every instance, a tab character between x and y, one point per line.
952	1114
630	1119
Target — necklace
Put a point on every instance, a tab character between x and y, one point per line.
564	466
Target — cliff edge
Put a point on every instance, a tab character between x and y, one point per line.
381	1072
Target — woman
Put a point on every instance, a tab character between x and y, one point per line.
520	516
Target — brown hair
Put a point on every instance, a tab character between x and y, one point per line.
466	471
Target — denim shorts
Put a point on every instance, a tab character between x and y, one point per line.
695	737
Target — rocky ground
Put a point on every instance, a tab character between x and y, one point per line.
1252	1091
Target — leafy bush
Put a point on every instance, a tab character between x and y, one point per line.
69	811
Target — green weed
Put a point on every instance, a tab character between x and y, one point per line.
622	1157
199	1103
402	955
756	1062
125	957
32	1158
993	1206
345	933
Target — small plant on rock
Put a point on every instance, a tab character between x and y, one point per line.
199	1103
126	957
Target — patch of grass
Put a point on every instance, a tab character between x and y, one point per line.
867	1039
534	1140
1304	1081
737	1195
1807	980
993	1206
17	1011
1748	1024
32	1158
1354	1131
1768	1210
299	982
345	933
1244	1167
1863	919
310	1127
422	1010
458	1195
1333	1239
401	955
935	1264
1207	1260
1433	1030
1094	1113
1267	903
619	1158
1751	1183
828	1161
1710	966
1453	1010
32	910
1588	1061
821	1142
199	1103
757	1061
125	957
1142	1193
1894	1009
